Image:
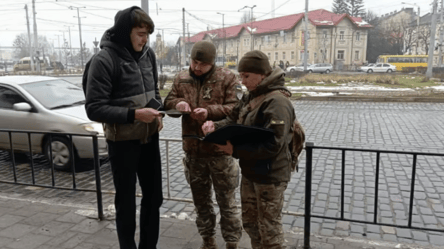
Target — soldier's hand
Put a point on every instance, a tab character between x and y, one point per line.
200	114
208	127
160	125
183	106
147	115
228	148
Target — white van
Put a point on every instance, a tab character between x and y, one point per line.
24	64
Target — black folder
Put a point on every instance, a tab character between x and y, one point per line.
239	134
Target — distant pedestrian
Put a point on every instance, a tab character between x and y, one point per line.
208	93
122	102
266	167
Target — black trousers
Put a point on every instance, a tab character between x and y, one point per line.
130	161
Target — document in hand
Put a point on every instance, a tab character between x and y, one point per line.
239	134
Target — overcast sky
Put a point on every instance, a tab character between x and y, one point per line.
54	16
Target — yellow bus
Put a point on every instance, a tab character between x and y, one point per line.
404	62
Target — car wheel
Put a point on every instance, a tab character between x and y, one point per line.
309	71
62	155
389	71
327	71
292	70
369	71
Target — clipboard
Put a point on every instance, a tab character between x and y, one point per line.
239	134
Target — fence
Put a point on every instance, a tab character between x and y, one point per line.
308	178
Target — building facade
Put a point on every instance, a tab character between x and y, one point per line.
337	39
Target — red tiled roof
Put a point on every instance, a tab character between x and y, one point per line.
319	17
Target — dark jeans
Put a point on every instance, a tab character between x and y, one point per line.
130	159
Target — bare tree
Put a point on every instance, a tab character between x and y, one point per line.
245	17
340	7
21	46
424	38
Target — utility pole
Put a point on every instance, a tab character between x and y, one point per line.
144	4
29	38
70	46
184	42
80	32
305	35
36	40
432	42
251	24
441	34
223	34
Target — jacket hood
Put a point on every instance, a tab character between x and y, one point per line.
118	36
275	81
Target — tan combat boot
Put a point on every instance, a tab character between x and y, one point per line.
209	243
231	245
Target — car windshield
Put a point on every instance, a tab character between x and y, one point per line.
55	94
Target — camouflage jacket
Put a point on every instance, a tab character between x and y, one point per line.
218	93
269	161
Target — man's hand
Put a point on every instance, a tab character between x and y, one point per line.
160	125
200	114
183	106
208	127
147	115
228	148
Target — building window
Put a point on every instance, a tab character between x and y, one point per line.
276	56
315	55
276	39
293	37
269	55
341	35
262	40
324	34
340	54
324	54
284	37
356	55
301	55
246	41
283	55
292	55
358	36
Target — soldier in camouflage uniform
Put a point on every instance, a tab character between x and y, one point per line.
208	93
266	166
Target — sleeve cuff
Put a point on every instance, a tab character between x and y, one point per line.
131	115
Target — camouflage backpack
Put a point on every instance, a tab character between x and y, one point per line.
297	142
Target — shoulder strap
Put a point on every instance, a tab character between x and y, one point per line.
116	63
153	63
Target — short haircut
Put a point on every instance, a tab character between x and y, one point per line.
142	20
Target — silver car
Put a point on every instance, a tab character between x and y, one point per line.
379	68
320	68
298	68
47	104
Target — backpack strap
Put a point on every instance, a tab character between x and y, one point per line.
116	63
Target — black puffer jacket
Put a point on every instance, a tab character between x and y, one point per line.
270	161
113	101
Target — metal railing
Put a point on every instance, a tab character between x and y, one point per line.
309	147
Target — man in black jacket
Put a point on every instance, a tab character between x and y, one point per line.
122	102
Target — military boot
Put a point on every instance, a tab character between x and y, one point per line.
209	243
231	245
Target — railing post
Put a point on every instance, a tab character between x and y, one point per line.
308	180
14	166
412	191
98	181
73	164
375	217
32	160
167	145
51	160
342	184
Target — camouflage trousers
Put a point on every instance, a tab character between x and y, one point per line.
222	173
262	213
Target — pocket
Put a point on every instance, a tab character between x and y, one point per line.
225	173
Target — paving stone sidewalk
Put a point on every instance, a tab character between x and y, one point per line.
42	224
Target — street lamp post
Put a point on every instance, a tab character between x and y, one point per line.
251	23
80	32
417	24
223	34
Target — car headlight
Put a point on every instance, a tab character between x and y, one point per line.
93	127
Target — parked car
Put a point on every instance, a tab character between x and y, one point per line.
379	68
47	104
320	68
365	68
299	68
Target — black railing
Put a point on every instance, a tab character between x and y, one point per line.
309	147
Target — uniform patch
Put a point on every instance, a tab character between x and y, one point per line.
275	121
207	93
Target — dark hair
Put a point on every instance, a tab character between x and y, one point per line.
142	20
